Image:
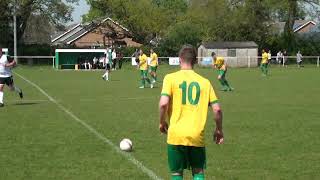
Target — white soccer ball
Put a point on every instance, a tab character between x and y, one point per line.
126	145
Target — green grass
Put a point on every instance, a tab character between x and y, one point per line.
271	126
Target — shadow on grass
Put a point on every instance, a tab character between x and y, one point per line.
25	103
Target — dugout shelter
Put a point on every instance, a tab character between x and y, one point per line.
236	54
73	58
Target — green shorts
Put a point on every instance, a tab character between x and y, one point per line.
153	68
186	157
222	73
264	65
144	73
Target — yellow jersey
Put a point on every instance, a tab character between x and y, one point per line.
219	62
264	58
143	62
190	95
154	60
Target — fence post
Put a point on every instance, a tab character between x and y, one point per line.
53	62
249	62
318	61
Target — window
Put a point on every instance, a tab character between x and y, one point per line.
232	53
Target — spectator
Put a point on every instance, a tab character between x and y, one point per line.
114	59
299	59
101	62
279	57
285	58
136	55
87	65
95	62
120	59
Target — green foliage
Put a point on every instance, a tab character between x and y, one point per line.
4	24
181	33
144	18
208	20
308	44
56	11
36	50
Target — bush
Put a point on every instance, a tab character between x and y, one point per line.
36	50
179	35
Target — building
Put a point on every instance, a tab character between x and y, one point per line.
236	54
299	27
100	34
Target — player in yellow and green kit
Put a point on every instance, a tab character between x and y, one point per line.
153	65
264	63
185	99
143	66
218	63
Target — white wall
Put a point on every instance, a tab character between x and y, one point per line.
244	57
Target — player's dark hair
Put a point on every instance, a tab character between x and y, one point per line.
188	54
213	54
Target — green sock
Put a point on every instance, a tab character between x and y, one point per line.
148	80
227	84
143	82
265	69
198	177
222	82
175	177
262	68
224	86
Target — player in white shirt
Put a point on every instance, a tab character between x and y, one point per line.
108	64
6	76
269	57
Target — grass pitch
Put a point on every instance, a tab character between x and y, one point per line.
271	126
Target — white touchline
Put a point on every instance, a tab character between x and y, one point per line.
132	159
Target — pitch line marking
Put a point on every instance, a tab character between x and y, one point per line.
131	158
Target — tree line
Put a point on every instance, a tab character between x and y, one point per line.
170	23
167	24
57	12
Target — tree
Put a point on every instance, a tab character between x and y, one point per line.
291	10
178	35
57	11
4	23
145	18
232	20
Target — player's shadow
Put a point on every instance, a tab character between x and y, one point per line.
25	104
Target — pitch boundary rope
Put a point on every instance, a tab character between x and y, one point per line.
129	157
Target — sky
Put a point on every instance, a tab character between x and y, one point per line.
79	10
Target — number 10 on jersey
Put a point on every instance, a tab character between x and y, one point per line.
188	90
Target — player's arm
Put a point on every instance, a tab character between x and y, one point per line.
163	109
218	133
213	103
164	103
11	63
